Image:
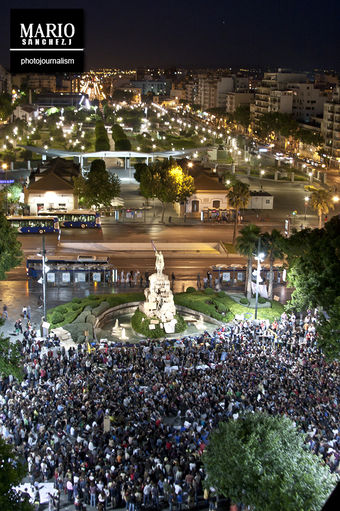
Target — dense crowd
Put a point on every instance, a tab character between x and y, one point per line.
125	425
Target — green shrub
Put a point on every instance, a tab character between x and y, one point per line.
77	331
82	317
262	300
102	307
76	300
221	294
190	290
62	309
209	291
75	307
91	319
244	301
57	317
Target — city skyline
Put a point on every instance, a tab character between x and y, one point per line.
261	34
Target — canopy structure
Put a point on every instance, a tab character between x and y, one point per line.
126	155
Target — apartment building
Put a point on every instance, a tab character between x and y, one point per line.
36	82
308	101
330	126
155	87
268	97
5	81
212	90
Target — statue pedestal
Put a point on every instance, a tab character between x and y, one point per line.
159	302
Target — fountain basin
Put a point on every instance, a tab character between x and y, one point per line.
105	323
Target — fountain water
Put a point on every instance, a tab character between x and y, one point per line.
116	328
123	336
200	324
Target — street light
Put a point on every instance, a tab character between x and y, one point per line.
259	258
336	199
306	204
42	281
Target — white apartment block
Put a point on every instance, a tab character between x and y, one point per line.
330	126
266	102
212	91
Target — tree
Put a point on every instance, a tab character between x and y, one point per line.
10	248
139	169
328	331
12	471
313	258
10	357
102	140
99	188
261	461
321	201
123	144
172	184
166	181
280	124
272	243
242	115
246	244
238	197
6	106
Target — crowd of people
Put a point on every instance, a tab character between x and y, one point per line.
125	425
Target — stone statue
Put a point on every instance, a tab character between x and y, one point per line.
159	263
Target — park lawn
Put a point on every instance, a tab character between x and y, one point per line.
198	301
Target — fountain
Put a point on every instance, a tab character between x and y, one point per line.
159	303
123	336
116	328
200	324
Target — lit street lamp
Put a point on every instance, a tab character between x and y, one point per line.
306	204
259	258
42	280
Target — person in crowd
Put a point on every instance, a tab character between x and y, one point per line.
163	403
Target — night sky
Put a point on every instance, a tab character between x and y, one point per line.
299	34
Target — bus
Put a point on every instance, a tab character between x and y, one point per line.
34	224
78	218
67	269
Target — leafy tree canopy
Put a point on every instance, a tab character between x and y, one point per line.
242	115
99	188
261	461
12	471
10	247
314	268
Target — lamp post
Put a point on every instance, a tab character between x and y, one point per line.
42	280
306	204
259	258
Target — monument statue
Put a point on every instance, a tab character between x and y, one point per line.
159	301
159	263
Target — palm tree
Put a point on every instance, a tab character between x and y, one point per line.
246	244
238	197
272	243
321	202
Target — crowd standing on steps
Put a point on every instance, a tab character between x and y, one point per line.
125	425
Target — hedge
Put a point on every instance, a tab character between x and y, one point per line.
67	313
190	290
